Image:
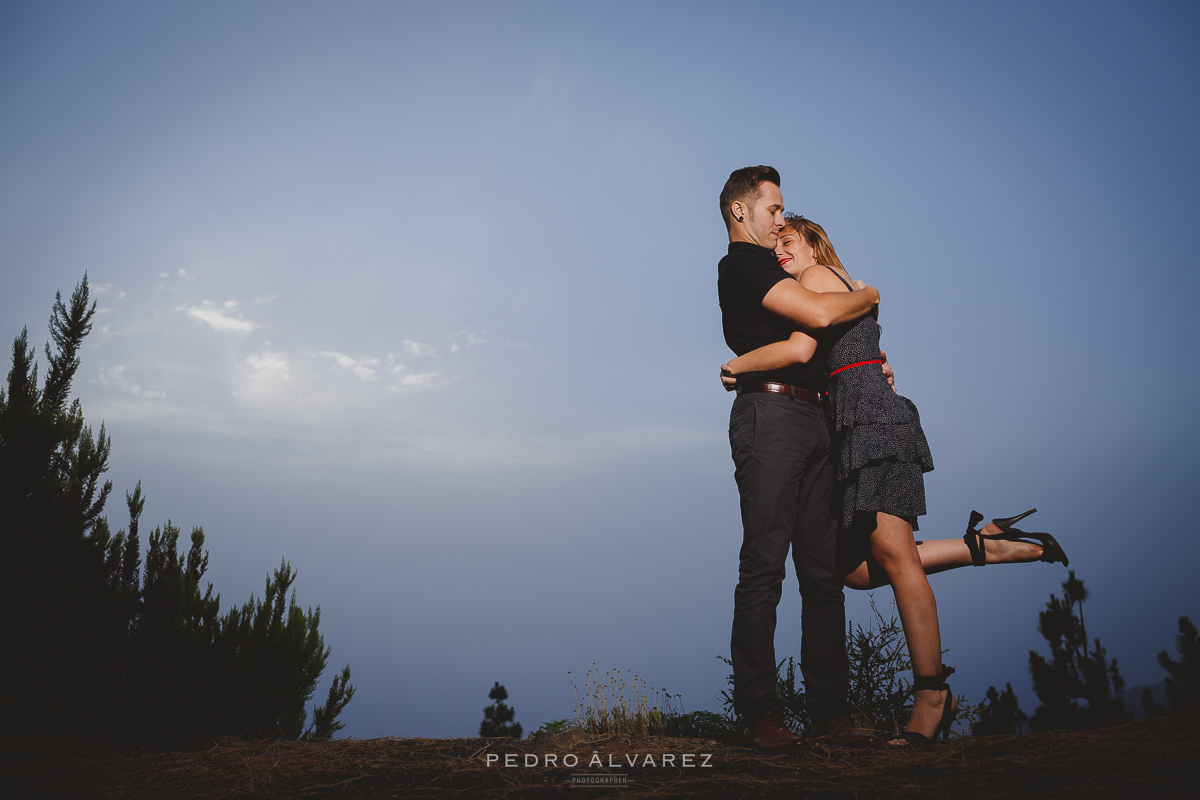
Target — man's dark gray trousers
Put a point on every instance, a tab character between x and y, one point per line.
786	478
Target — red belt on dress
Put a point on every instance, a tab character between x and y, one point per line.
781	388
855	364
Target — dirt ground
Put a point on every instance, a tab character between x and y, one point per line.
1151	758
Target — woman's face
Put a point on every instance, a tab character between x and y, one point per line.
794	253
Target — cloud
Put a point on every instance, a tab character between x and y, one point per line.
513	344
269	366
101	289
181	273
265	376
114	378
103	333
412	348
456	446
464	339
405	380
364	367
215	317
372	368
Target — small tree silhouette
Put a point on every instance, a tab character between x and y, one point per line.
1074	673
999	713
498	717
1183	681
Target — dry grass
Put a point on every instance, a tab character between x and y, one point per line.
1151	758
606	705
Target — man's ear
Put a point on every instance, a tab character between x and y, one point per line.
737	210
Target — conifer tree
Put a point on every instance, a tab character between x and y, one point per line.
52	575
1074	672
102	644
1183	676
325	718
498	717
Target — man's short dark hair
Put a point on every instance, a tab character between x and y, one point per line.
741	184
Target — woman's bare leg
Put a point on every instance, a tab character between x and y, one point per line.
895	551
939	555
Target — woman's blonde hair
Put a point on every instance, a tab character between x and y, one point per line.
815	235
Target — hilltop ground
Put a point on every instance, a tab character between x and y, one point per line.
1150	758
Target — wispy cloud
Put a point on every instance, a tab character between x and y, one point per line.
403	380
464	339
114	378
101	289
412	348
514	344
365	367
269	366
264	381
103	333
218	318
374	369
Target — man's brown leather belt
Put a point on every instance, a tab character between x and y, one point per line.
781	388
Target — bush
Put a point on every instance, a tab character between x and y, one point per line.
999	714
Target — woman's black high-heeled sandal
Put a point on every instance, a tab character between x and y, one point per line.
935	683
1052	551
1004	523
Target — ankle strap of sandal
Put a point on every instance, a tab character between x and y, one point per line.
937	683
974	540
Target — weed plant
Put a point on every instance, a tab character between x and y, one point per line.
611	703
607	704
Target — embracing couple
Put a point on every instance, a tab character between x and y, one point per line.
829	463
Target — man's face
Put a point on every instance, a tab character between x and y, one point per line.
764	218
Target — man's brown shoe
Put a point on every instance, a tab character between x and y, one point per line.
843	733
769	735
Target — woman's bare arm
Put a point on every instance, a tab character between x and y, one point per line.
797	349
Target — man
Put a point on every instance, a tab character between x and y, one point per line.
784	471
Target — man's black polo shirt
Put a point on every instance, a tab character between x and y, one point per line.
743	279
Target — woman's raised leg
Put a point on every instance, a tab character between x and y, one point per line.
861	571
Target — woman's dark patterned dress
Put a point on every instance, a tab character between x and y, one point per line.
882	452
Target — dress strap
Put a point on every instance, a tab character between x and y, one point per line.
839	277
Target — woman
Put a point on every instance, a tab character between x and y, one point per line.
882	455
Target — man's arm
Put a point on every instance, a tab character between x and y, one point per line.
815	310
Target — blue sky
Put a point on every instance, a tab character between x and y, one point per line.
422	298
